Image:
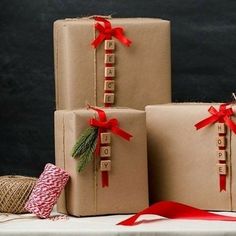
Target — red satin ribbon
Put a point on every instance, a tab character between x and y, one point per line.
174	210
107	32
222	181
223	115
103	124
112	125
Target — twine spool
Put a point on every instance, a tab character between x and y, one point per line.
47	191
14	192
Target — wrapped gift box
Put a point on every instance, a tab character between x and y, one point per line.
128	187
142	70
184	162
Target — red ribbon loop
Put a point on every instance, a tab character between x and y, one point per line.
223	115
107	32
112	124
174	210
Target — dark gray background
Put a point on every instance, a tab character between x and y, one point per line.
203	64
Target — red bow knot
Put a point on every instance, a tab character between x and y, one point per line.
223	115
107	32
104	124
112	125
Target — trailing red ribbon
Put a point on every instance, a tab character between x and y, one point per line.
107	32
103	124
222	183
174	210
223	115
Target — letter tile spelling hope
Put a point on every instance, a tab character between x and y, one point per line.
222	120
221	143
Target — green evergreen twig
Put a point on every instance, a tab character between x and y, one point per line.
85	146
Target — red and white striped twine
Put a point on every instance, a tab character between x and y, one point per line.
47	191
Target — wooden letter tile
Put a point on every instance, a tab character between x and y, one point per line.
105	151
109	85
221	155
105	165
220	141
220	128
109	44
105	138
222	169
109	71
109	97
109	58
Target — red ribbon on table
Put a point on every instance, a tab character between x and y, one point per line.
107	32
223	115
174	210
103	124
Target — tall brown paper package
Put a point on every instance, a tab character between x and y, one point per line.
183	160
142	70
128	184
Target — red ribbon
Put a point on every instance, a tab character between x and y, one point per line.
112	125
107	32
174	210
222	183
103	124
223	115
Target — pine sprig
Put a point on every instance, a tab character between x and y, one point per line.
85	146
86	157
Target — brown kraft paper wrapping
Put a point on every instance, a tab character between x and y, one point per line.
128	186
142	70
183	161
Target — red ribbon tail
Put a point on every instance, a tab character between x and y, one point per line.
230	124
222	183
98	40
119	34
105	179
206	122
121	133
174	210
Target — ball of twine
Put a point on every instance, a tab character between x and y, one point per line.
14	192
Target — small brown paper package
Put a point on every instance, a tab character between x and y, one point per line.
187	165
142	71
128	179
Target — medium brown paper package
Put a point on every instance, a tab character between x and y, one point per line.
128	187
142	70
184	162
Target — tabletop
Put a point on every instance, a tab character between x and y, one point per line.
106	226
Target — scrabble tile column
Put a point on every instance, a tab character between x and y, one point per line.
109	73
221	153
105	154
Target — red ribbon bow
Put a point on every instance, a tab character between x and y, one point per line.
112	125
103	124
223	115
107	32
